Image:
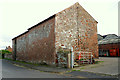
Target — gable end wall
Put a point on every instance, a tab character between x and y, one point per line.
75	27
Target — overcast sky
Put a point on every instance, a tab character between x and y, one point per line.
16	16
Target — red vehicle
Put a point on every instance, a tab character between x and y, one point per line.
114	52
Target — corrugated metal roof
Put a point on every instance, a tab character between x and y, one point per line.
109	41
111	36
99	37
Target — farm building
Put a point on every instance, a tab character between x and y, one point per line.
73	27
109	45
9	48
100	37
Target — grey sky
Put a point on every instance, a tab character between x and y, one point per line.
17	16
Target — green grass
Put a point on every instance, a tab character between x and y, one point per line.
23	62
75	70
0	57
8	59
97	62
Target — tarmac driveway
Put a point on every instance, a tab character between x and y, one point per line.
108	65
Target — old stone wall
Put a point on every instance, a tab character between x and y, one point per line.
9	56
65	27
76	28
13	49
42	43
21	48
38	44
72	27
87	30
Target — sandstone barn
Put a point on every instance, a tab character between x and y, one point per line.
73	27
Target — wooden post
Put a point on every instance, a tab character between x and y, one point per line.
69	61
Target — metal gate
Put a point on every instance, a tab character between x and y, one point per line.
80	57
84	57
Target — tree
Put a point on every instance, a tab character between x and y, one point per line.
3	52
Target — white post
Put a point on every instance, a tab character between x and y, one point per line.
72	57
91	58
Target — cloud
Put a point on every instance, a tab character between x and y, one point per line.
16	17
5	41
3	44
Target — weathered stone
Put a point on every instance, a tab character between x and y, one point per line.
72	27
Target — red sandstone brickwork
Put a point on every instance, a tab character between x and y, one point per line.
87	30
66	27
38	44
109	46
76	28
72	27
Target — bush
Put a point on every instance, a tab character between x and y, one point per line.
62	50
5	52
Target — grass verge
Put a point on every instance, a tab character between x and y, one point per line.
0	56
23	62
97	62
75	70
